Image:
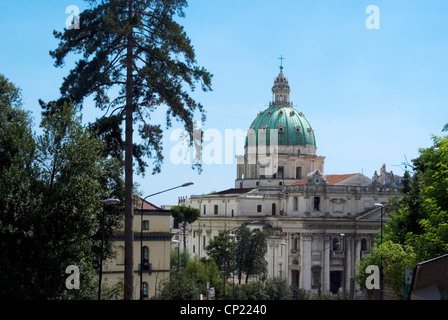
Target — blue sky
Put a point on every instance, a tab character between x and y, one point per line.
372	96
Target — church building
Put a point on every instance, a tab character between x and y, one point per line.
323	224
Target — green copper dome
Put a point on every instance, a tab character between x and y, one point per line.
293	128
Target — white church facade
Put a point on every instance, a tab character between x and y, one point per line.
322	224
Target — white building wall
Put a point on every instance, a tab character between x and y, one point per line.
314	229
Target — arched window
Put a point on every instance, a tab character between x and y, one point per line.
145	258
145	289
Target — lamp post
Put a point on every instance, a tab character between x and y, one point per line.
178	252
345	262
105	202
233	284
381	257
141	231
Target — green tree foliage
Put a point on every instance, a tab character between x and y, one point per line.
51	211
17	189
251	247
242	250
220	249
184	215
271	289
205	271
418	227
183	257
245	252
420	219
178	286
73	176
394	257
138	49
432	166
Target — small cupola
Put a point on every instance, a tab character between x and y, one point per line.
281	90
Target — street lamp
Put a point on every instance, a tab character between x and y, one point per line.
233	285
178	252
105	202
141	232
381	257
345	261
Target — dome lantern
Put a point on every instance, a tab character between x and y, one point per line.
281	90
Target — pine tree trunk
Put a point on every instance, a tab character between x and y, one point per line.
129	214
185	238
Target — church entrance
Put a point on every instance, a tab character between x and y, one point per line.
335	281
295	275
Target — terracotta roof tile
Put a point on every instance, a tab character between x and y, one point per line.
336	178
146	205
331	179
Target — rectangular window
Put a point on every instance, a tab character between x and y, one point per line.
298	172
316	203
259	208
205	209
296	203
295	245
216	209
315	278
281	172
145	225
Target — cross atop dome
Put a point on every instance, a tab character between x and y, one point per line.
281	62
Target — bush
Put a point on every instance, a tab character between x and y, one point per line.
271	289
178	286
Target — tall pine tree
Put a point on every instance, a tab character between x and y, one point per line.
137	46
